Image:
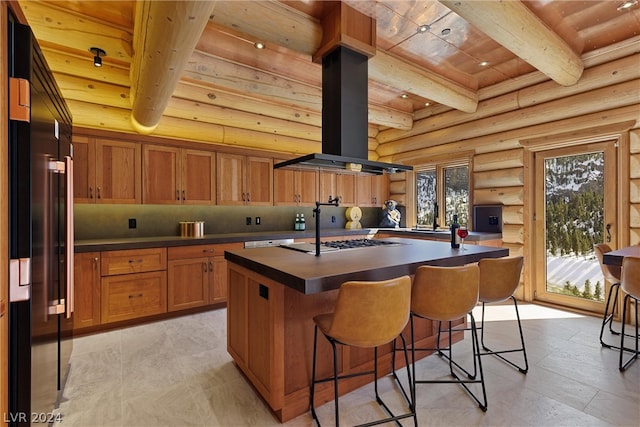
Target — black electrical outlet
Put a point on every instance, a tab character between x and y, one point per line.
333	218
257	220
132	223
263	291
248	221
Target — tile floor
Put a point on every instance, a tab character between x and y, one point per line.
177	373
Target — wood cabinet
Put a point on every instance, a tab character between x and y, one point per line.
174	175
197	275
372	190
244	180
339	185
106	171
134	284
86	272
295	187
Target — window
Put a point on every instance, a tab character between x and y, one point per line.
446	184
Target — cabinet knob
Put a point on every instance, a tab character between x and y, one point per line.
91	192
177	194
184	196
210	266
204	267
99	195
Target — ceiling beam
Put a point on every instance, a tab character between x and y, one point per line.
515	27
276	17
165	36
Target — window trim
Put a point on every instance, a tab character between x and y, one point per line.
439	164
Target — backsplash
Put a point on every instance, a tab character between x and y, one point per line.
112	220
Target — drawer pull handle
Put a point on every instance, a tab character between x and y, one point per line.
210	266
204	267
207	251
135	296
131	261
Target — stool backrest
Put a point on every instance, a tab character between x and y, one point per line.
445	293
630	280
370	313
611	273
499	277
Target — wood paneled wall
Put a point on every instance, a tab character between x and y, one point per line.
634	187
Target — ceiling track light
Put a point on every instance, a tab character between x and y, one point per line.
97	56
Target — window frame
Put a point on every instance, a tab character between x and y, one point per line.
439	166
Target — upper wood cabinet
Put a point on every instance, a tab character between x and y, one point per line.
372	190
244	180
339	185
106	171
174	175
295	187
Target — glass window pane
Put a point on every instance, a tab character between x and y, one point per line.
456	194
425	197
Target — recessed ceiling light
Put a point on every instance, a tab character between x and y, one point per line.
426	104
259	45
404	96
627	4
445	31
423	28
484	64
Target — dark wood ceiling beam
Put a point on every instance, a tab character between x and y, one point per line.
515	27
165	35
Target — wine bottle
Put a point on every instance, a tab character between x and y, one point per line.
303	225
296	226
455	242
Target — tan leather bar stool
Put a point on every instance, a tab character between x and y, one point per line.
366	315
611	274
499	279
630	284
445	294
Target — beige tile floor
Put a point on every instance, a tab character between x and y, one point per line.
177	373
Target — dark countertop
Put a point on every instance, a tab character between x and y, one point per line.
309	274
97	245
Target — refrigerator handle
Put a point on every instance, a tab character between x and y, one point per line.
70	239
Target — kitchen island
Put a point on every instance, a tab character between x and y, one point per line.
274	293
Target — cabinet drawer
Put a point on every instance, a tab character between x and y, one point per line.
133	295
197	251
133	261
187	252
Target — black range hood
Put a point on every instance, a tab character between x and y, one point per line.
344	118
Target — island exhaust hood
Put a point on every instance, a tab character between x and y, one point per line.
344	118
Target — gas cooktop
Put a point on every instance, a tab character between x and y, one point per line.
337	245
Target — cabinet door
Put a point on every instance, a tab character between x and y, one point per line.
160	175
118	174
307	187
364	190
346	189
129	296
230	179
218	283
327	186
86	271
198	177
284	187
84	169
188	283
259	181
380	189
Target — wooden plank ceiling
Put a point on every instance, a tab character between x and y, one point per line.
190	70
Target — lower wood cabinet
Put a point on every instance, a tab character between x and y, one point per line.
197	275
129	296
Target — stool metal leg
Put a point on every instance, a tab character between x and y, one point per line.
499	353
623	366
608	315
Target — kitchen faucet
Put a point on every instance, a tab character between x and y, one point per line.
316	211
435	216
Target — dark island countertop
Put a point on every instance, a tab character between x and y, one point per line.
309	274
123	243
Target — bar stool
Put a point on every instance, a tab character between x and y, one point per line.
445	294
630	284
499	279
367	315
611	274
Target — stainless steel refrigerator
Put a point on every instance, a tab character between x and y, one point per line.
40	233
